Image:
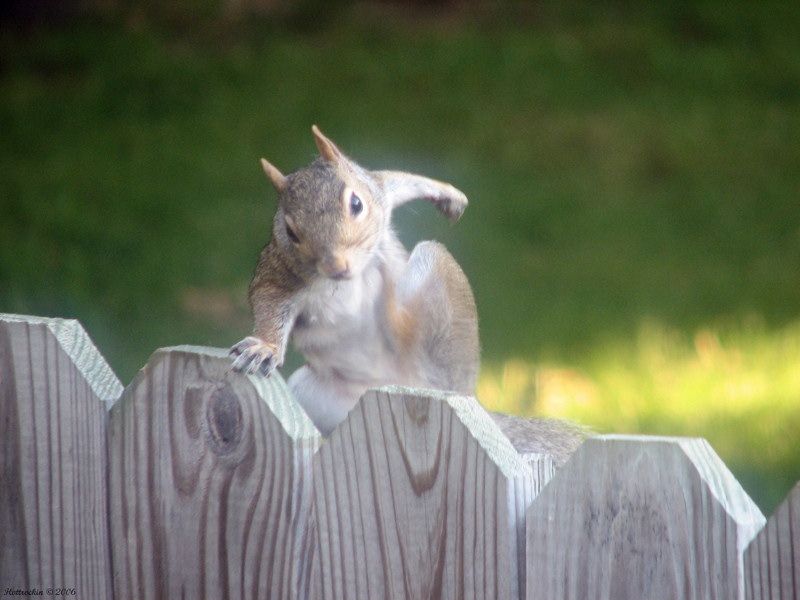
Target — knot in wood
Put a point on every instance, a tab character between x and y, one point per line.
418	409
224	415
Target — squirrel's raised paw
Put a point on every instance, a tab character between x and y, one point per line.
253	355
452	202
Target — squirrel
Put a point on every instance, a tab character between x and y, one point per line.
361	310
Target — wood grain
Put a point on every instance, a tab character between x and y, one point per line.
420	495
210	483
639	517
55	388
772	560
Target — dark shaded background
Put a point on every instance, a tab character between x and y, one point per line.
633	236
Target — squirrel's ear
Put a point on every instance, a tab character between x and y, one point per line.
277	178
326	147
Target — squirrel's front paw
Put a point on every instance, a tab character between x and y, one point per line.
253	355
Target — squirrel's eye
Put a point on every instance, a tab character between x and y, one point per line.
356	206
292	235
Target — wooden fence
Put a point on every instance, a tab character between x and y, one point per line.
195	482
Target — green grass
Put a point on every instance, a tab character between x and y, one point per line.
737	386
634	178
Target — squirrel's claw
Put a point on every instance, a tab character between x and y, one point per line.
239	348
252	356
266	367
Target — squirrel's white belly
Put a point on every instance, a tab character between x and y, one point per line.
339	333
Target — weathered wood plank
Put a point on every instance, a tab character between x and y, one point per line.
55	388
210	483
772	560
420	495
640	517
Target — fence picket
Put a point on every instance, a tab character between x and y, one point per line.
210	482
640	517
55	388
420	495
772	560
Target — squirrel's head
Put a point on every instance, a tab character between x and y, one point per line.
332	214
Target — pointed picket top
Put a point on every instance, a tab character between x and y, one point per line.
477	421
640	517
272	390
77	344
772	560
722	484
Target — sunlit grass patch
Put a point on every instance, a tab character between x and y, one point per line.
737	386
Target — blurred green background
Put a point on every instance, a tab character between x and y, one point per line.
633	235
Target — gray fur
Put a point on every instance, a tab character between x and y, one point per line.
530	435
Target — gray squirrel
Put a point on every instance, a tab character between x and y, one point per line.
362	310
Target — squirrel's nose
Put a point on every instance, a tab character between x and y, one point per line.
335	267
